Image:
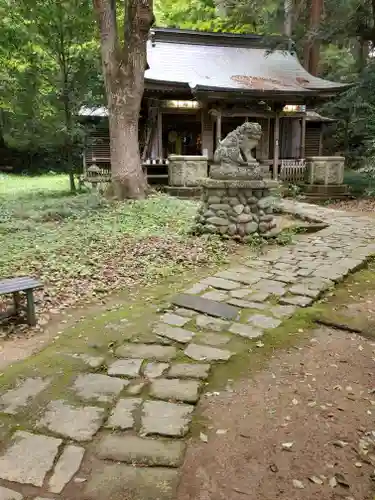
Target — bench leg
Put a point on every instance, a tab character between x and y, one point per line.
31	318
17	303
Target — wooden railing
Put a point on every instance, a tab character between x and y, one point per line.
293	171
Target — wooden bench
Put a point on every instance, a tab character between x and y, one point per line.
23	284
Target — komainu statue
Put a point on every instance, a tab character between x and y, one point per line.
233	158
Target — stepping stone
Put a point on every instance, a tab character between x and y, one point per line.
120	482
126	367
283	311
215	295
175	389
15	399
166	419
221	283
29	458
197	288
215	324
150	338
246	276
214	339
241	293
93	362
77	423
140	451
99	387
122	414
204	353
189	370
185	312
304	290
245	331
264	322
259	296
297	300
205	306
155	370
174	319
6	494
174	333
136	388
67	465
269	286
147	351
245	304
286	278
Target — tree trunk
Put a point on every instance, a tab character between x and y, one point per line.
123	68
312	47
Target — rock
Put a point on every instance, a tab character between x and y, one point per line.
175	389
241	230
119	482
263	227
247	209
304	290
122	414
205	353
221	283
266	202
173	319
220	206
252	200
238	209
147	351
242	198
283	311
264	322
208	323
233	201
165	418
177	334
251	227
246	304
98	387
244	218
210	228
213	200
125	367
297	300
270	286
217	221
266	218
215	295
136	388
245	331
29	458
185	312
259	296
205	306
139	451
18	398
189	370
209	213
77	423
155	370
214	339
6	494
232	229
67	465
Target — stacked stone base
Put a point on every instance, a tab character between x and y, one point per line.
236	209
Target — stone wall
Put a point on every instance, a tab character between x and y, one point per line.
187	170
237	209
325	169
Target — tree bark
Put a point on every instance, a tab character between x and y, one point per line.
123	68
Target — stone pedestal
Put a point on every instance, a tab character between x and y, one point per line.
236	208
187	171
326	170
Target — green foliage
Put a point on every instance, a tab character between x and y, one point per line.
357	182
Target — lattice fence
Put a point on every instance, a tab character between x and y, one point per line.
293	171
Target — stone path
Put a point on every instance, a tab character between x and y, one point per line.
123	439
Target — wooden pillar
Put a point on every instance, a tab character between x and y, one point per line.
276	146
303	137
160	134
218	128
207	134
321	140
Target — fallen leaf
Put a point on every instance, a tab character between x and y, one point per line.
358	464
315	479
259	343
221	431
203	437
295	401
339	443
341	480
332	482
287	446
298	484
274	468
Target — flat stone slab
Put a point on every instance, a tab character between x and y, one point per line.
141	451
246	276
197	288
259	296
245	331
265	322
155	370
241	293
147	351
174	333
15	399
189	370
122	416
166	419
270	286
205	306
297	300
29	458
98	387
174	319
305	290
77	423
120	482
208	323
215	295
188	313
6	494
221	284
205	353
67	465
214	338
246	304
283	311
175	389
136	388
125	367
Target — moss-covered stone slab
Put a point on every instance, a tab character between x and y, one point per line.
175	389
122	415
94	386
147	351
189	370
200	352
165	418
205	306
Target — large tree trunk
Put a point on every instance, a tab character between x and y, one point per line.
123	68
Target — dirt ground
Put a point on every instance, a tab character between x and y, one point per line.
293	431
